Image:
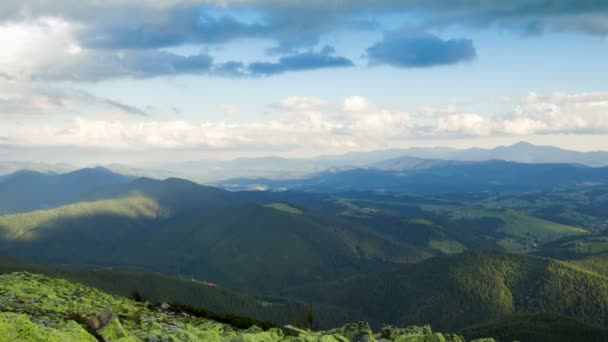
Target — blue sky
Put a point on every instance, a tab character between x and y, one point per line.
176	80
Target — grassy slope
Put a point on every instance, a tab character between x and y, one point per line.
35	308
454	292
25	226
160	288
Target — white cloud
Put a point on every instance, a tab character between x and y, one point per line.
314	124
560	112
31	46
464	124
302	120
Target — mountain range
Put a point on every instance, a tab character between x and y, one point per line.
215	171
467	246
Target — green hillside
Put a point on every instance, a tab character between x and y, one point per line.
576	248
226	241
458	291
539	327
29	226
34	308
160	288
235	246
445	226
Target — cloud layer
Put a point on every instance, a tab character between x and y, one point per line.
316	124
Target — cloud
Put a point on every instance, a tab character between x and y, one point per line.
121	24
419	49
300	61
557	113
321	124
26	98
94	40
313	124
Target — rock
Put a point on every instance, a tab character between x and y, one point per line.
165	306
171	326
355	332
107	326
42	321
417	334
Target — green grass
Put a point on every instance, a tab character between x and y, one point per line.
285	208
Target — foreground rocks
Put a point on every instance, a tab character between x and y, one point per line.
37	308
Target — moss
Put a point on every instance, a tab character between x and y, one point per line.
20	328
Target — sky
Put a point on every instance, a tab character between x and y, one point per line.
117	81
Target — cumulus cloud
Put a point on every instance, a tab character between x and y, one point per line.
316	124
419	49
319	123
582	113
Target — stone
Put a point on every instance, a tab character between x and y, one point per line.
355	332
107	326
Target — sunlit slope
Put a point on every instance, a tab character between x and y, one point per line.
28	226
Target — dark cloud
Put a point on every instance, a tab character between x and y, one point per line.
152	63
141	30
298	24
418	50
301	61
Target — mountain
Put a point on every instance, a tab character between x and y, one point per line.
440	177
410	163
30	190
8	167
36	308
182	228
521	152
458	291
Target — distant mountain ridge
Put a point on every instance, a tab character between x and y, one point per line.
435	176
522	152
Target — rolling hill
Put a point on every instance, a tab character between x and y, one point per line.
24	190
458	291
181	228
